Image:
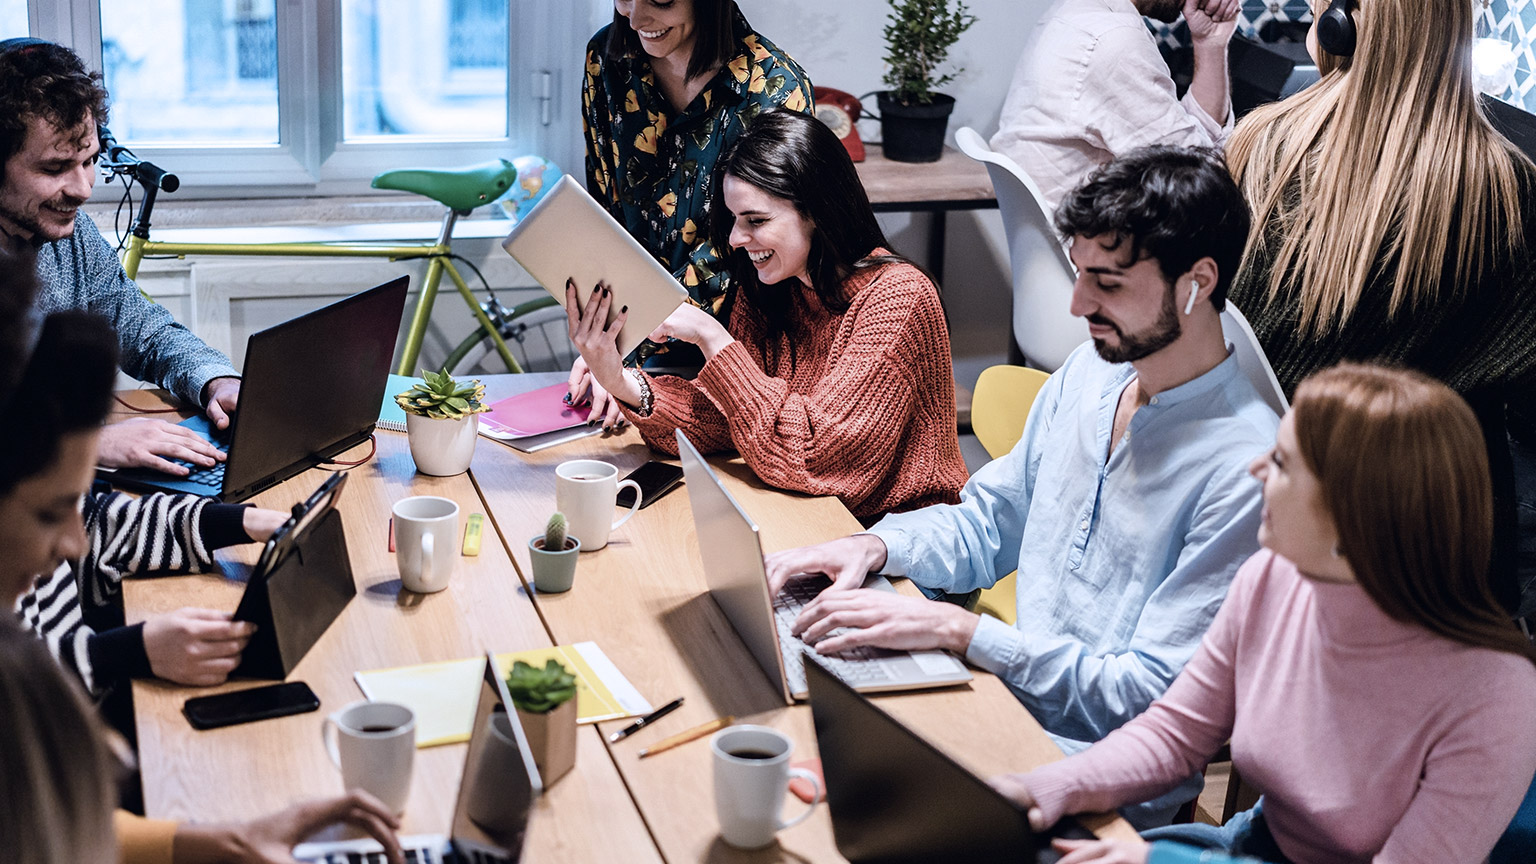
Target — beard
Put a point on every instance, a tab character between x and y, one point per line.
1166	11
30	223
1135	346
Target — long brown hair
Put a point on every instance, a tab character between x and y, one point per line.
1385	167
57	767
1404	476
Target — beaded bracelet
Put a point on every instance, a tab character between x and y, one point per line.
647	399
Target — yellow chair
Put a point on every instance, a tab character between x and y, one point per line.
1004	395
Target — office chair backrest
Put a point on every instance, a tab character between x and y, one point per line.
1004	396
1046	332
1251	359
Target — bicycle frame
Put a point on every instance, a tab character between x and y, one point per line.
437	255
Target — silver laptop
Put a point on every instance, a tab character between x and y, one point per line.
733	568
490	833
568	235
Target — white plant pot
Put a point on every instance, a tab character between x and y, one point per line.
442	448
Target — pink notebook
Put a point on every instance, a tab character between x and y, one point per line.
533	413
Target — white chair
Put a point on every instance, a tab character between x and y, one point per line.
1251	359
1042	273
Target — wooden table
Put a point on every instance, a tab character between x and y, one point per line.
955	182
641	598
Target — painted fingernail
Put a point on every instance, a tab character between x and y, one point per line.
623	308
566	399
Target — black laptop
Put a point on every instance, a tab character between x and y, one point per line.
311	389
896	798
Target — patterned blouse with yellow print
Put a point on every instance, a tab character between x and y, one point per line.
653	168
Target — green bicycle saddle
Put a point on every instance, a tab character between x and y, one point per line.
461	189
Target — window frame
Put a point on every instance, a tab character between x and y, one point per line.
545	39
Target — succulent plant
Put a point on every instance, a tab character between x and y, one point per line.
539	691
554	533
442	398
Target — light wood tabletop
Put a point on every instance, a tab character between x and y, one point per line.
955	182
242	771
642	599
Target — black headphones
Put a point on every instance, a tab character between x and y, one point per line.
1336	30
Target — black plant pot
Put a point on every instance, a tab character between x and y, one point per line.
914	133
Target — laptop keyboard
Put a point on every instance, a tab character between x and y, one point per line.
418	849
858	667
209	478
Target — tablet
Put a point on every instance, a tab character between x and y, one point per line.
569	235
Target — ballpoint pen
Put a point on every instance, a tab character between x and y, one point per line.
646	720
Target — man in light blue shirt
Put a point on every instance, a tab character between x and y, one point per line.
1126	507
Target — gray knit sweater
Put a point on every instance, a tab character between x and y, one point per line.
82	272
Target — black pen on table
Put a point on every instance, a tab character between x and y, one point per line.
646	720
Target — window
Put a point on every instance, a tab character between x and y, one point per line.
316	97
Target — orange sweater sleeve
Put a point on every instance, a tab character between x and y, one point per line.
143	841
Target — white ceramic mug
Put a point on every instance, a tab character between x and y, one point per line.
585	490
374	745
426	541
751	775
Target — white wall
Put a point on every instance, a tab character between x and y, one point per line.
840	44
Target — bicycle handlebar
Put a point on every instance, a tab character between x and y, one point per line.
120	160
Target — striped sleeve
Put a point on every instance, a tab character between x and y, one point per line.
52	611
159	533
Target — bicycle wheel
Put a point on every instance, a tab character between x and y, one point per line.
535	332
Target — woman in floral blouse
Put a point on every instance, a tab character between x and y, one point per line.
669	84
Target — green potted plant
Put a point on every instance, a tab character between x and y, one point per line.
545	699
918	36
553	557
441	422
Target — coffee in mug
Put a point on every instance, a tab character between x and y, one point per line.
752	774
374	745
585	491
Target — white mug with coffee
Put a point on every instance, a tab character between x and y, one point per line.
374	745
752	774
426	541
585	491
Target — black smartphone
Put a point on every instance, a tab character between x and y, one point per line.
655	478
245	706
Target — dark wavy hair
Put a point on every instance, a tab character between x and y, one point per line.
1174	205
67	388
19	319
713	42
795	157
47	81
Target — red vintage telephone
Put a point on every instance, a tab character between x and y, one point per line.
840	111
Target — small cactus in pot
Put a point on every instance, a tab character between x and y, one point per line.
553	557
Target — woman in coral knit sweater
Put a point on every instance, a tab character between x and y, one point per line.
833	375
1370	685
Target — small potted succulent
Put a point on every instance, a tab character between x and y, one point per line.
918	36
553	556
441	422
545	700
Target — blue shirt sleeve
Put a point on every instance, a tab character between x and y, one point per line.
1166	852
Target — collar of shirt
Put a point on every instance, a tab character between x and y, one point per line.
728	87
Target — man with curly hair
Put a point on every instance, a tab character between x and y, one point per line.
50	109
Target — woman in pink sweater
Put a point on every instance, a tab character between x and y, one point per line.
833	375
1369	684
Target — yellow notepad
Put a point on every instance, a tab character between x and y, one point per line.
443	695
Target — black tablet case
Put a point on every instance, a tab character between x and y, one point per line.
294	603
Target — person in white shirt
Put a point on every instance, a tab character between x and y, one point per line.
1091	85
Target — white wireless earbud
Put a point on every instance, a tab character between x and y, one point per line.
1194	291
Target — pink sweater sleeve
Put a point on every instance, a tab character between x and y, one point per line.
1475	776
1173	739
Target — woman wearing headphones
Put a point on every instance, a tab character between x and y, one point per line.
1370	686
1393	223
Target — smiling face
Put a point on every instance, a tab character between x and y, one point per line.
770	230
665	27
48	179
40	524
1131	310
1295	523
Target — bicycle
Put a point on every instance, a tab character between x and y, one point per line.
459	190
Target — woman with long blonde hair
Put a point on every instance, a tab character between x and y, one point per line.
1393	223
1372	689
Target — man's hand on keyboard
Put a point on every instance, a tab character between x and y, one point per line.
148	443
195	646
882	619
846	562
270	839
222	397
